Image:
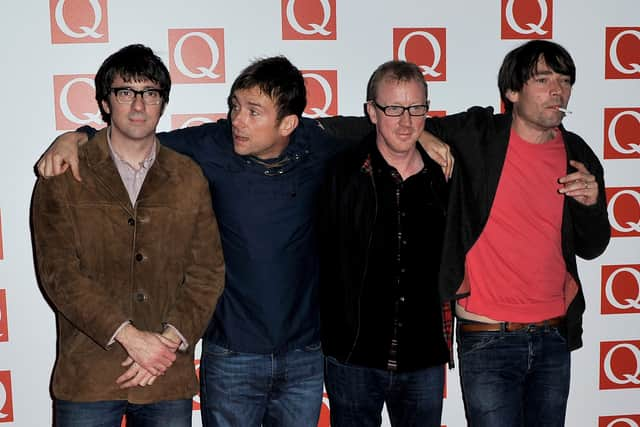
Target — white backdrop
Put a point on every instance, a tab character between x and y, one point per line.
49	51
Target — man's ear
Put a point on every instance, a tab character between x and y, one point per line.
371	112
512	95
105	106
288	124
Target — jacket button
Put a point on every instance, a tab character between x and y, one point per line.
141	296
139	257
131	221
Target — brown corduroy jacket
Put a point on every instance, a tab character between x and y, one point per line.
102	262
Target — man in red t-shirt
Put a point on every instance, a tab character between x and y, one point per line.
527	197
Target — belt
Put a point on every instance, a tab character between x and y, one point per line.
508	326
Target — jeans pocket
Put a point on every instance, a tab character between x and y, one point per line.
219	351
311	348
476	341
556	334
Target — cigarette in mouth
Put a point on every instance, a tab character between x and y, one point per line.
564	110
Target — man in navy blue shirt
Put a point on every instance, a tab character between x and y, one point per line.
261	360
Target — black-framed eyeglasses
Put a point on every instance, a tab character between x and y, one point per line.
126	95
398	110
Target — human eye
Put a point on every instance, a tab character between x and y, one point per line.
124	93
394	110
417	110
152	94
254	112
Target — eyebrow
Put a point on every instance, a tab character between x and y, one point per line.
537	72
128	85
234	98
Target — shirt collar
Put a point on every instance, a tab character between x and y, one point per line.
145	164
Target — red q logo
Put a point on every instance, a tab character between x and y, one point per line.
322	93
620	365
309	20
527	19
78	21
425	47
437	113
6	401
197	55
4	328
624	211
622	53
75	102
619	421
621	130
620	289
181	121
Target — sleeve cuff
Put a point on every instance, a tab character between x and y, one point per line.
113	337
184	344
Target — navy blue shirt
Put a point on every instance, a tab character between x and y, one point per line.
266	217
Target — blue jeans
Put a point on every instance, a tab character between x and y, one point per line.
516	378
109	413
357	394
247	390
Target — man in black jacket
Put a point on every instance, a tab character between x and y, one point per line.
527	197
383	220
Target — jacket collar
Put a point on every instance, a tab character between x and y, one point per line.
99	161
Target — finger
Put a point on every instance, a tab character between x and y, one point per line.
572	177
75	169
131	383
58	168
578	165
146	378
168	356
159	370
129	374
450	162
41	168
128	361
152	380
57	163
171	344
136	380
47	167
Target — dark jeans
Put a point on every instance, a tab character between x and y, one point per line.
516	378
108	413
250	390
357	394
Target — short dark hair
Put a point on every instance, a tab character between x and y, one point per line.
133	63
521	63
398	71
277	78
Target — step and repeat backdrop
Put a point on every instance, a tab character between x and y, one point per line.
51	49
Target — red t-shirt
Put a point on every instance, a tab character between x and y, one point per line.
516	269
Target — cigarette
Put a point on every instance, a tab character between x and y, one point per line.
564	110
